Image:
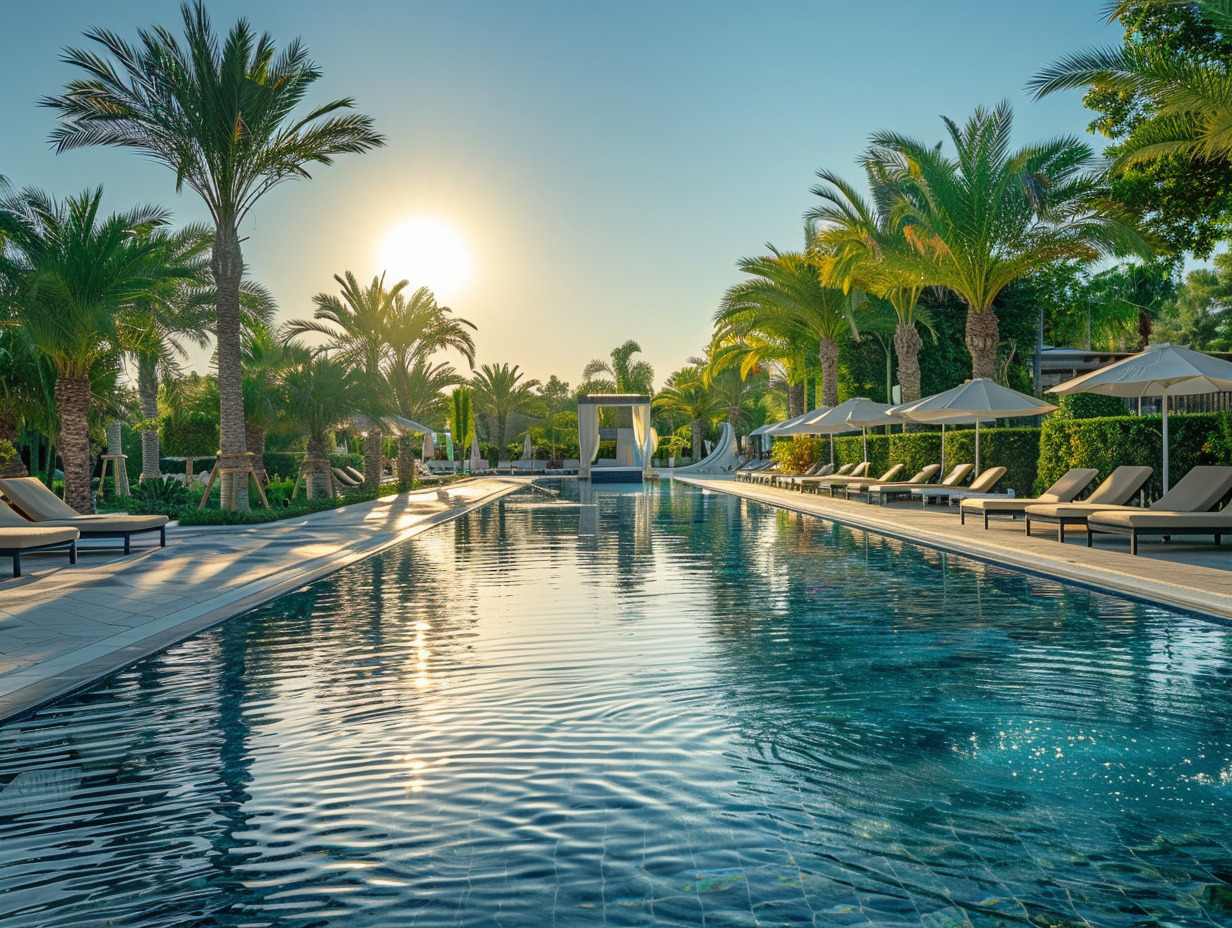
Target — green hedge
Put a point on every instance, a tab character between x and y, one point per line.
1108	442
193	516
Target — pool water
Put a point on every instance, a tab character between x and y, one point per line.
641	707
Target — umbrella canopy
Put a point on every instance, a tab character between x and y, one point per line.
527	448
429	448
973	401
799	425
1161	370
855	413
476	460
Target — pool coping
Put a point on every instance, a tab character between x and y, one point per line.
1087	571
183	624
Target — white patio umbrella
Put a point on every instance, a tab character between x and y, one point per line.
429	447
804	424
475	458
1161	370
974	401
856	413
527	448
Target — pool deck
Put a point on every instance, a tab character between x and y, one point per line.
1182	573
63	626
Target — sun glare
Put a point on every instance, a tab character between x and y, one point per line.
429	253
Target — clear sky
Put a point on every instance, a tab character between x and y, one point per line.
606	164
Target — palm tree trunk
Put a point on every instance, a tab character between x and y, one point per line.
147	391
907	343
8	432
983	337
697	440
372	460
228	263
73	404
254	438
795	400
827	353
406	463
316	466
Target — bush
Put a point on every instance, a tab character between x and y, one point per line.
914	450
798	454
192	516
1091	406
1108	442
164	497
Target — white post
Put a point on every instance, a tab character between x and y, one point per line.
977	447
864	435
1164	399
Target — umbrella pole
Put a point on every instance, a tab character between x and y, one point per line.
942	450
864	435
977	447
832	450
1164	399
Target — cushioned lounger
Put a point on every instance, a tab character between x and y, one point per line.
47	510
1118	489
342	477
793	482
841	483
981	484
1183	510
889	491
1063	491
920	477
813	484
14	542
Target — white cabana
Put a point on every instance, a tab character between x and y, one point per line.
645	439
1161	370
476	460
973	401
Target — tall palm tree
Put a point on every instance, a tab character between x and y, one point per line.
687	393
221	115
500	393
357	324
627	375
419	388
786	294
990	215
857	235
322	394
1190	101
73	275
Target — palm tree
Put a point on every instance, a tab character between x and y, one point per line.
220	114
500	393
786	295
687	393
73	275
788	353
322	394
357	324
856	235
415	328
1190	101
627	375
990	215
462	418
267	359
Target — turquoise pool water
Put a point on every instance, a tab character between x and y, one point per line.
648	707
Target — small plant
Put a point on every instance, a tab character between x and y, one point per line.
165	497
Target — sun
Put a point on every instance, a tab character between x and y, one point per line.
429	253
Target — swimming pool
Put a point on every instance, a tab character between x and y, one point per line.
648	707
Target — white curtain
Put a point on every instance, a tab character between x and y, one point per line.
644	437
588	437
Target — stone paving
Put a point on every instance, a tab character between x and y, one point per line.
1183	573
62	626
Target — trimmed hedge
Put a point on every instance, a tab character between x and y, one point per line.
193	516
1108	442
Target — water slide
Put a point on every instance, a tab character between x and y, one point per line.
722	460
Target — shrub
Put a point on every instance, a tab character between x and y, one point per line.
192	516
914	450
1016	449
165	497
1091	406
1108	442
798	454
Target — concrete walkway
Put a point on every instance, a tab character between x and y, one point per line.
1180	573
63	626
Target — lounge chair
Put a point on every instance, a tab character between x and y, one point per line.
342	477
981	484
1073	482
1183	510
18	536
922	476
765	475
887	492
847	471
752	467
817	470
1117	490
842	483
356	475
45	509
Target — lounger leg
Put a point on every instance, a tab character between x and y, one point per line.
162	536
1133	541
985	520
1090	537
1028	526
16	563
1061	532
72	553
127	542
